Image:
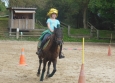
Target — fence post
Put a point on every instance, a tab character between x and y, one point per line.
97	34
68	30
91	33
17	33
21	35
10	32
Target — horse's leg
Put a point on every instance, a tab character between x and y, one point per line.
43	70
48	71
39	69
54	68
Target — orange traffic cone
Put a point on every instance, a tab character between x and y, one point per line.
82	75
22	58
109	51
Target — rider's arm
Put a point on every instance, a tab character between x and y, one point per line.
48	25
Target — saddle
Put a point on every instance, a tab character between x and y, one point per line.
45	45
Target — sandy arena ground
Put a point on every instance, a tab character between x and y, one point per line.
99	67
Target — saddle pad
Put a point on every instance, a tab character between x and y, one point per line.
39	43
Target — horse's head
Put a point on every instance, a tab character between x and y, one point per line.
58	35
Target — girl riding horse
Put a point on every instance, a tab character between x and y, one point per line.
51	23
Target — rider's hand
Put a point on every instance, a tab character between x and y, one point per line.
51	30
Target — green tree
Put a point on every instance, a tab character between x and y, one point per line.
27	3
2	6
104	9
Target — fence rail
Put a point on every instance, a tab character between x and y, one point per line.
93	31
75	36
67	26
34	32
105	34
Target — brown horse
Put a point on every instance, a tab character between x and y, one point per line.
50	53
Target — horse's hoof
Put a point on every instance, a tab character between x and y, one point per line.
38	74
41	81
61	57
46	77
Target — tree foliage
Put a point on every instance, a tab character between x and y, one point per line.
105	11
74	12
2	6
27	3
105	8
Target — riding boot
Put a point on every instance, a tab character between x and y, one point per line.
60	53
41	47
39	50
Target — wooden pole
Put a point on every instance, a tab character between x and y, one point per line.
83	52
82	73
21	35
111	39
17	33
33	20
97	34
91	32
68	30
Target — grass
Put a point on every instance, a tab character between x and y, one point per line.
82	31
1	19
66	38
108	34
79	31
3	23
37	26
